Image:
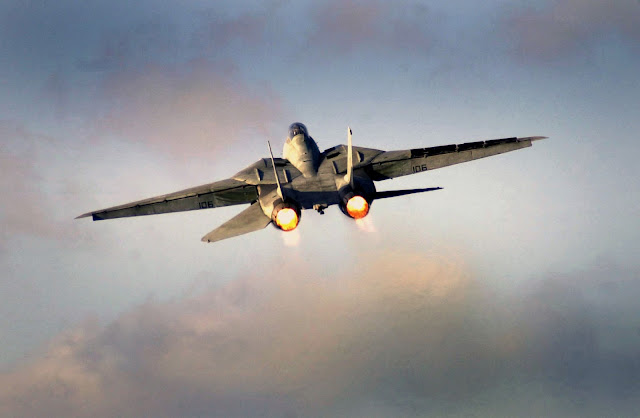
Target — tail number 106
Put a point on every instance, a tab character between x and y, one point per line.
419	168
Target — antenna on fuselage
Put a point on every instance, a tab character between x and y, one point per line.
275	172
349	177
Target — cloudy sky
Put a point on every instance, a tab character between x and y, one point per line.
513	291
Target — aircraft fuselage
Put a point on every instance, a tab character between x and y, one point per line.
279	189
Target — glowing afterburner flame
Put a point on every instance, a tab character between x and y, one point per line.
287	219
357	207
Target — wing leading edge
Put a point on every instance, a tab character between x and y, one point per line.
243	188
391	164
222	193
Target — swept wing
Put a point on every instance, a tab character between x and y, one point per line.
255	183
213	195
391	164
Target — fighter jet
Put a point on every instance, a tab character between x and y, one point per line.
279	189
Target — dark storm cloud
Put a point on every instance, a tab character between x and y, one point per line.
386	339
565	28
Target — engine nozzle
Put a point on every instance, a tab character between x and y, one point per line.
286	216
356	199
357	207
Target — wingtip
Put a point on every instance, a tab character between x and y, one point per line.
84	215
534	138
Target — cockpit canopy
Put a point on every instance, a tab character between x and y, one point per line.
301	150
297	128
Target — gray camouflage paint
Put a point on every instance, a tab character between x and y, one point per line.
309	179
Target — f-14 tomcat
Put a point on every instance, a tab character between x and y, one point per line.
278	189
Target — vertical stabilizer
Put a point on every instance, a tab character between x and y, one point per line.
275	172
349	177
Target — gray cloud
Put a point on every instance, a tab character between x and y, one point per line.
426	339
21	183
41	186
137	44
334	26
565	28
218	32
140	77
344	26
403	340
184	110
157	86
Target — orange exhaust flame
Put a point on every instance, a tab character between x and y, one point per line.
357	207
287	219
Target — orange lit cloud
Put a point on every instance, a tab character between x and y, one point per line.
399	325
293	342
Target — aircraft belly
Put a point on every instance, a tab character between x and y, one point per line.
315	190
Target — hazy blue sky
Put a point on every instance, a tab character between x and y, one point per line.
513	291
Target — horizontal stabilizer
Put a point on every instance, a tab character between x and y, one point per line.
249	220
394	193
